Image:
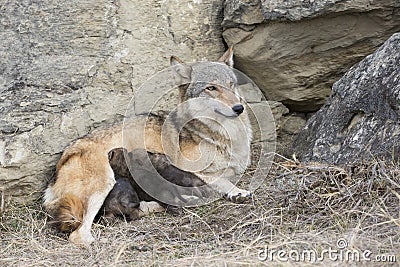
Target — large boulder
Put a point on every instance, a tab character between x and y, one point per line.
69	67
361	119
295	50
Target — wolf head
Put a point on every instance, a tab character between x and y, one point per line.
211	109
211	81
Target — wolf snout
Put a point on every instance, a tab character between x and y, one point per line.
238	109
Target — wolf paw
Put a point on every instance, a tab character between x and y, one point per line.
80	239
238	195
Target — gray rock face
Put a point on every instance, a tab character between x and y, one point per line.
296	9
295	50
361	119
299	9
293	124
67	68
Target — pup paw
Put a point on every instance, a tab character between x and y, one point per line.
174	210
238	195
188	199
147	207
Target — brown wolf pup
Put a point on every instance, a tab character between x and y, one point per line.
122	201
214	147
164	168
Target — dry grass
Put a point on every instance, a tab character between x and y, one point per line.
298	207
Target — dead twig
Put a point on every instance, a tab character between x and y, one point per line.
2	201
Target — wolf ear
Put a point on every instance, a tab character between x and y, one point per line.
227	57
182	71
182	74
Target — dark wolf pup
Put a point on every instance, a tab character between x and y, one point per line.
126	195
122	201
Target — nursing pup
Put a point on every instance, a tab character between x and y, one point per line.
122	201
116	202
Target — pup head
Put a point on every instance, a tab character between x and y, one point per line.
117	162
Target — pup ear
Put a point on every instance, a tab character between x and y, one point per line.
227	57
111	155
182	71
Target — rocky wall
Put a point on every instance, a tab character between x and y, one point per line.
70	67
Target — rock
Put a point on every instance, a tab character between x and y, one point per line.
294	10
361	119
262	122
244	14
293	124
295	50
278	110
69	68
266	118
250	93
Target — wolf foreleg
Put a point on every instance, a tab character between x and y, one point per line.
82	235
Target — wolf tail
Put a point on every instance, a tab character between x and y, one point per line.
68	214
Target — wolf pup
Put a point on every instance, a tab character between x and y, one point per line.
145	162
214	148
122	201
160	162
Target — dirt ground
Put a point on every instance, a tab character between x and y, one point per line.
301	215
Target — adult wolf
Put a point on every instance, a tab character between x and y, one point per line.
208	134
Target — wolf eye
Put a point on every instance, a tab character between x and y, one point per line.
211	88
